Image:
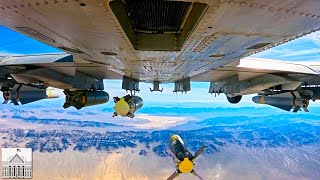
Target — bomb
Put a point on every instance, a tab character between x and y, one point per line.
127	105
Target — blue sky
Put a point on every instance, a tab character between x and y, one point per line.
304	49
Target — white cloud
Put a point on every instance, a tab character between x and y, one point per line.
3	53
315	37
302	52
302	49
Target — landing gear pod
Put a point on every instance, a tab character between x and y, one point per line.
127	105
83	98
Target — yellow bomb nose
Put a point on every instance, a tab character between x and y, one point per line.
52	93
186	166
122	107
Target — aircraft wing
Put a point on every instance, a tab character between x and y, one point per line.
149	40
249	68
55	70
253	75
281	84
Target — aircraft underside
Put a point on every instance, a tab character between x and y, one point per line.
158	41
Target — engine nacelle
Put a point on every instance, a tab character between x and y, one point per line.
83	98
